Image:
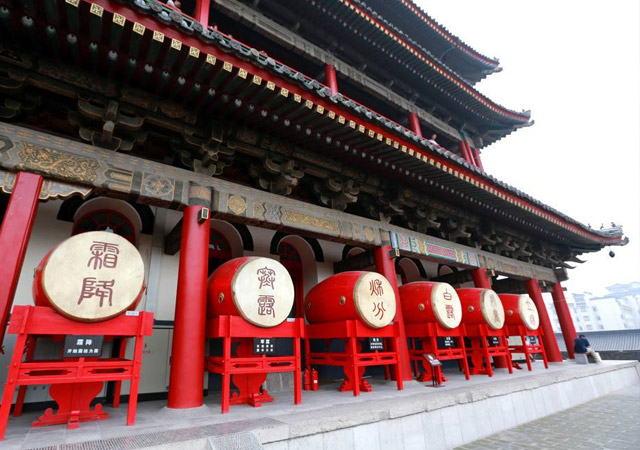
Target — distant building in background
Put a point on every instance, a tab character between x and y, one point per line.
618	309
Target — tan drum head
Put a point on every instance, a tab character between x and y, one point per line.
374	299
492	309
528	312
446	305
93	276
263	292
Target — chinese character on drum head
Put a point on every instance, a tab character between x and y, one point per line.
104	254
378	308
266	277
265	305
376	287
94	288
450	313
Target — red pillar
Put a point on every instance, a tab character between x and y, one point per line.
462	145
472	157
386	267
476	157
564	317
187	355
482	280
202	12
548	337
14	237
332	80
414	124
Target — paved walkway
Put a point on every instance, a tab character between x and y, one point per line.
611	422
417	417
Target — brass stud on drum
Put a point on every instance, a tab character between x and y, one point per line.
421	306
221	297
343	300
309	305
470	309
510	312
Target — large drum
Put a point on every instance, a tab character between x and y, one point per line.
520	310
367	296
90	277
427	302
481	306
258	289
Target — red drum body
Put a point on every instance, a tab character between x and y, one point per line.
427	302
481	307
366	296
260	290
90	277
520	311
39	297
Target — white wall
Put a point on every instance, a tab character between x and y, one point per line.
47	233
161	274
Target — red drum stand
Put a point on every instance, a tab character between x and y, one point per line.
75	382
427	335
526	347
481	351
353	360
247	371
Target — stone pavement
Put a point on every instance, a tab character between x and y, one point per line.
611	422
418	417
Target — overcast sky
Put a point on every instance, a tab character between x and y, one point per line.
576	65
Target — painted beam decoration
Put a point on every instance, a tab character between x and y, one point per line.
83	166
421	245
232	64
157	184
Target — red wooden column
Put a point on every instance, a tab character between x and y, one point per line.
202	12
414	124
386	267
564	317
471	154
186	382
476	157
482	280
462	145
332	79
14	237
548	337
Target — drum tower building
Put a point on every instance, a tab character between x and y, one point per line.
296	130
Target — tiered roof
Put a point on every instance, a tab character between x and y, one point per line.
144	43
393	55
448	48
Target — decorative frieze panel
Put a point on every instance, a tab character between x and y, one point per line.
51	189
439	250
90	167
109	173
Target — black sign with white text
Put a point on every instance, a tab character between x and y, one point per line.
264	346
493	341
375	343
76	346
446	342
